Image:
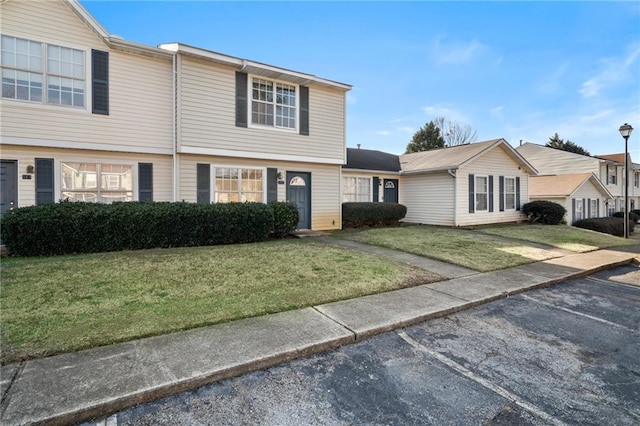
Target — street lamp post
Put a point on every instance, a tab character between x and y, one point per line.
625	130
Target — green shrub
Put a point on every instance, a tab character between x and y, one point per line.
545	212
65	227
285	218
632	215
355	215
606	225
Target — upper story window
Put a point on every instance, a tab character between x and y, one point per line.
273	104
612	174
27	67
636	179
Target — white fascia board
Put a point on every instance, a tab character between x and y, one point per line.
251	66
435	170
48	143
128	46
90	20
257	155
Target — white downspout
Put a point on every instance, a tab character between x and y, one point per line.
175	127
452	173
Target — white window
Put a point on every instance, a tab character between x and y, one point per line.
509	193
482	193
578	203
636	179
238	185
273	104
96	182
356	189
612	175
594	208
24	72
611	207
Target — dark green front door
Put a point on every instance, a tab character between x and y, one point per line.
299	193
8	186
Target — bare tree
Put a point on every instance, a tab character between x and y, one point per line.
455	133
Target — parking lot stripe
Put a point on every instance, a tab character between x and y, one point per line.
571	311
486	383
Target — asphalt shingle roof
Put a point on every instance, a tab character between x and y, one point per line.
367	159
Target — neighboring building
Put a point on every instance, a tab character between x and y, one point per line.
583	195
370	176
465	185
88	116
609	169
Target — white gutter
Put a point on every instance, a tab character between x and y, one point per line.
175	126
452	173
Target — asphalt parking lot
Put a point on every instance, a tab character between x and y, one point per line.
569	354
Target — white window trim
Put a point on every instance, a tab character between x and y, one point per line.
579	209
515	192
356	194
212	179
250	123
88	94
475	193
57	172
593	207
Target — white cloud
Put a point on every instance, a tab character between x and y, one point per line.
383	132
445	110
405	129
497	112
612	71
457	52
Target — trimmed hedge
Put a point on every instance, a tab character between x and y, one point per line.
355	215
632	215
607	225
285	218
64	228
545	212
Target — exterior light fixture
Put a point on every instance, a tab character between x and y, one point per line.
625	130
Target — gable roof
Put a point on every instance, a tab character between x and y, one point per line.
563	185
368	159
451	158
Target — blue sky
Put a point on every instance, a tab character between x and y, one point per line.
517	70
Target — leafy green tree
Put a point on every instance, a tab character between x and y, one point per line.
425	139
558	143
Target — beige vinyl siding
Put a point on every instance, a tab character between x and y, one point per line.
162	164
326	201
207	117
140	90
495	163
428	198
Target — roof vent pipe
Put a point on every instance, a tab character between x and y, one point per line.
520	142
358	146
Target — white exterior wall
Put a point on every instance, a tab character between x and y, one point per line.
326	201
162	165
207	109
140	90
495	163
429	198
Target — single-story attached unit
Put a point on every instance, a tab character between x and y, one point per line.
370	176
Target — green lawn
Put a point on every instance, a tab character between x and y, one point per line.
482	252
560	236
60	304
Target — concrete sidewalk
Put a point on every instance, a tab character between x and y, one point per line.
94	383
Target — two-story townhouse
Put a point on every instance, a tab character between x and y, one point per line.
608	169
88	116
85	115
247	131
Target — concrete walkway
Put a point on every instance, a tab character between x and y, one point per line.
94	383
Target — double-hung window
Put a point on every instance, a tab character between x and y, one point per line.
28	66
509	193
482	193
273	104
612	175
578	204
97	182
238	185
594	207
356	189
636	179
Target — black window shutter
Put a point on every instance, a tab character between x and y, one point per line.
573	211
145	182
584	208
518	193
304	110
44	181
588	208
100	82
490	193
204	183
376	189
472	197
501	188
272	184
598	207
241	99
